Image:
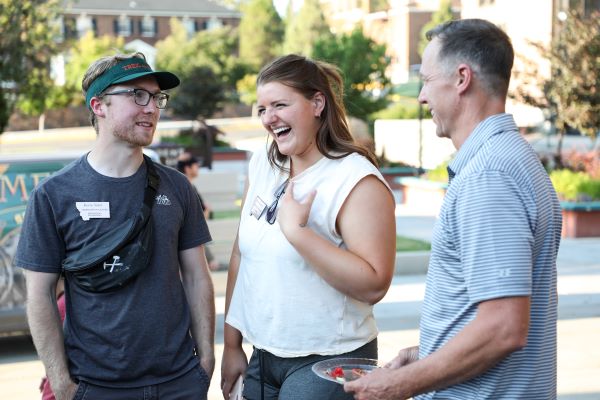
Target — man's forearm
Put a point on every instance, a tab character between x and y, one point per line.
202	307
499	329
46	331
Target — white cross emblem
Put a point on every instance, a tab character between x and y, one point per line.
114	264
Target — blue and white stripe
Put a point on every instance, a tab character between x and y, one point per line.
497	236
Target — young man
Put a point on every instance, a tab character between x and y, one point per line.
154	333
488	329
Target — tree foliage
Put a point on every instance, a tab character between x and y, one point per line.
261	32
571	95
215	48
246	88
363	64
575	61
28	33
305	28
208	58
443	14
80	56
200	94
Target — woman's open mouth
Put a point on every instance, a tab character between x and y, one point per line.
281	131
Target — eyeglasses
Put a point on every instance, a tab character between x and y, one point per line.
142	97
271	214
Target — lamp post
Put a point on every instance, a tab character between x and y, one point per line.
415	69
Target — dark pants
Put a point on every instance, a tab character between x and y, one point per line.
193	385
293	378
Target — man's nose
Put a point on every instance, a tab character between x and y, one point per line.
421	97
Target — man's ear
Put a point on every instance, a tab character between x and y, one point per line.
318	101
465	75
97	106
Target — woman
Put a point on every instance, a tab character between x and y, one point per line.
316	243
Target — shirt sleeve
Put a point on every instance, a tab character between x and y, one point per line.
41	247
495	236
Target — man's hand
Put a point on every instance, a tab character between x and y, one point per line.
404	357
63	388
208	365
378	385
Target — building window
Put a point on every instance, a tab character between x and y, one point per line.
83	25
189	25
214	23
69	28
124	26
148	27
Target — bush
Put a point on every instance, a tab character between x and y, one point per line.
408	109
575	185
584	161
439	173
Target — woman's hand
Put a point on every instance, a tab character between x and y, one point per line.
233	365
292	214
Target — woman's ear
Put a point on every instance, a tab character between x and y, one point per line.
318	101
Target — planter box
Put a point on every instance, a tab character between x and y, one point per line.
391	175
422	193
580	219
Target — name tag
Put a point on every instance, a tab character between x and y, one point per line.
258	207
93	209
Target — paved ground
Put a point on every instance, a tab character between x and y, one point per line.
398	313
579	310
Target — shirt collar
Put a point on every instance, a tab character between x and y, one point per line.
487	128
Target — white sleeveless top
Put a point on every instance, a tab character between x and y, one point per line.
280	304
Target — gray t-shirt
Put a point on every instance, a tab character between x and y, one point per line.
137	335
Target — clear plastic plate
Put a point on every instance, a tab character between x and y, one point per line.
351	368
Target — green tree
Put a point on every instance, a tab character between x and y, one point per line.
215	48
218	49
200	95
363	64
305	28
246	88
443	14
261	33
84	52
28	41
575	61
174	53
570	96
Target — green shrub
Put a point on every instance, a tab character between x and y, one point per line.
439	173
575	186
405	109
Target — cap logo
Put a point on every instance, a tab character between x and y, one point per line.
116	74
134	66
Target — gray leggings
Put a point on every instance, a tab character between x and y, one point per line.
293	378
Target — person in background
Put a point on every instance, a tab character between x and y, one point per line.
189	165
488	329
315	248
155	333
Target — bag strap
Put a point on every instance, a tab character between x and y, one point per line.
152	182
108	243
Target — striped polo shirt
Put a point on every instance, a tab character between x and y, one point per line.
497	236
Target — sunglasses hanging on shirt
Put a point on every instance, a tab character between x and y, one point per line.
259	207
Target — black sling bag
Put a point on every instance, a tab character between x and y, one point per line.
115	258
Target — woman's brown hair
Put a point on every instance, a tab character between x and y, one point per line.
308	77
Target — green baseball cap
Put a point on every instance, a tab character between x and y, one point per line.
128	70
